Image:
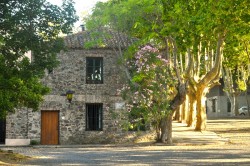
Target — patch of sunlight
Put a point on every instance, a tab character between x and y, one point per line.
55	152
233	160
2	163
139	155
43	157
72	164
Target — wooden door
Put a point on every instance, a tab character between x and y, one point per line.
50	127
2	130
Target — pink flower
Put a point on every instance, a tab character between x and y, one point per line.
165	60
158	56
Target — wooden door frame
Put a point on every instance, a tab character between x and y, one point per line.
58	111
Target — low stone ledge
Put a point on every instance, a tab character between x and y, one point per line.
17	142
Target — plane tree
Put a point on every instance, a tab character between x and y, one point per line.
236	70
190	34
203	37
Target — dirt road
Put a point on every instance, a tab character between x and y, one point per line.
235	152
237	130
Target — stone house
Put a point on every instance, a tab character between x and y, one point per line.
218	104
93	75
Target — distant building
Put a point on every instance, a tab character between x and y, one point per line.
218	104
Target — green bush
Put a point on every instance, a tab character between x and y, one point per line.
34	142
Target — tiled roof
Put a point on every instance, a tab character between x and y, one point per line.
107	39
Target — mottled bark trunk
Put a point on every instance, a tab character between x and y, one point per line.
166	130
201	116
235	104
192	107
169	129
203	85
166	122
178	114
183	112
233	98
231	102
158	132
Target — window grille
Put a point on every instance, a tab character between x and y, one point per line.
94	71
94	116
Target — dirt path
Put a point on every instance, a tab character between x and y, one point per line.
236	152
237	130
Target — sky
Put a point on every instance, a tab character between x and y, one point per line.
83	7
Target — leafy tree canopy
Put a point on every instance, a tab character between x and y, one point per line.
194	36
29	25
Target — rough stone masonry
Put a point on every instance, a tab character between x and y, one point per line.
71	75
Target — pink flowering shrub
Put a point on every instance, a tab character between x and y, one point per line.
152	87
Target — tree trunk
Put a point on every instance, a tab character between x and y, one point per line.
169	128
229	96
201	111
205	83
192	107
166	130
177	115
165	126
183	112
158	132
236	104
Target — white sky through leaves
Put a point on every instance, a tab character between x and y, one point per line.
83	7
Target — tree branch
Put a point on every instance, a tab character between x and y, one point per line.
214	72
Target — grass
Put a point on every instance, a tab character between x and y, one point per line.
8	157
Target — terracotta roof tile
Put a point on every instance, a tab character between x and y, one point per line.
106	39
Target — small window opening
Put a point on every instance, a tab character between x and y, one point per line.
94	116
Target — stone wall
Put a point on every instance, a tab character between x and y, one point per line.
17	125
70	75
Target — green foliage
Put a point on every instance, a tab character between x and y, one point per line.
34	142
18	88
152	87
128	16
35	26
206	30
188	23
138	120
